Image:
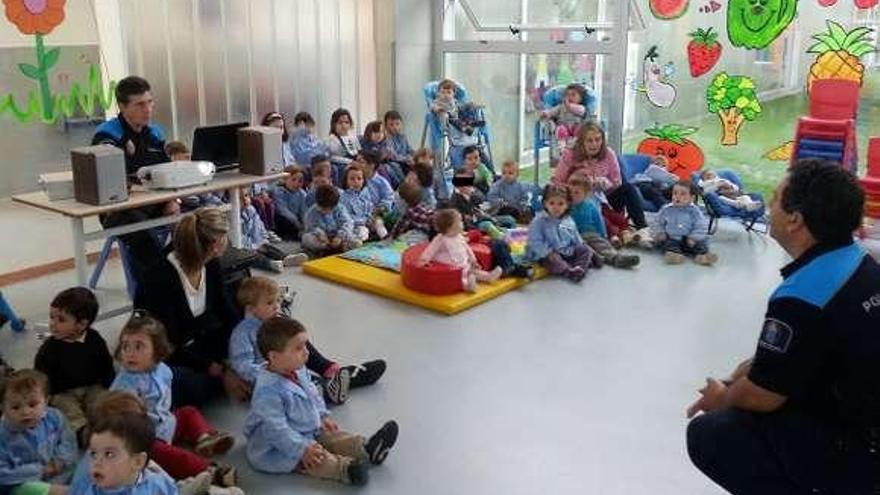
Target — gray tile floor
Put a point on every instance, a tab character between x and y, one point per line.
555	388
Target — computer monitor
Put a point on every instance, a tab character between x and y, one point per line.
217	144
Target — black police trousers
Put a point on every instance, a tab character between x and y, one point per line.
781	453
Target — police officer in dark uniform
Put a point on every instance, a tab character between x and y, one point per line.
803	415
144	144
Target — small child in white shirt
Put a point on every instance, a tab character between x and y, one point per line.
728	192
449	246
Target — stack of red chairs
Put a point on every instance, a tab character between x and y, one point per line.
871	181
829	131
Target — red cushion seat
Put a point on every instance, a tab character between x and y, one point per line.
437	278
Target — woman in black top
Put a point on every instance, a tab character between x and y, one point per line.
185	292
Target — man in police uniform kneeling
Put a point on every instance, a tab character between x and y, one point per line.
803	415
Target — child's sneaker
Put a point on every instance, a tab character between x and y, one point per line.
366	373
627	237
380	443
195	485
214	444
615	241
272	236
625	260
642	238
357	473
381	231
295	259
495	274
276	266
673	258
522	271
336	388
707	259
576	274
223	475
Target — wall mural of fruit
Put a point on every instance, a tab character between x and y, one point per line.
668	9
754	24
683	156
781	153
703	51
735	101
838	53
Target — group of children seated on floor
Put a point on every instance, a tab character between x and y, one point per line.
118	408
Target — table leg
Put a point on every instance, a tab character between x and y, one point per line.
235	220
79	251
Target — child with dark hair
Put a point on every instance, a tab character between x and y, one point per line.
473	166
278	121
445	106
119	453
680	228
418	215
450	247
401	151
37	449
342	144
75	357
379	187
142	347
304	143
271	256
322	175
568	115
290	203
328	228
289	428
554	240
357	200
375	142
177	151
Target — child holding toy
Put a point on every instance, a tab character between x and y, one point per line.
554	240
680	229
289	428
449	246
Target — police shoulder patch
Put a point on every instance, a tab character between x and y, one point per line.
776	336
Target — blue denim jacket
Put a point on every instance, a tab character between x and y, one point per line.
358	204
285	418
244	356
548	235
149	482
154	388
24	453
336	223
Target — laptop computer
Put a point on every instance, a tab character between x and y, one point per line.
217	144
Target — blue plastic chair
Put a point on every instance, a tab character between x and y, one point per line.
130	282
8	314
630	165
716	209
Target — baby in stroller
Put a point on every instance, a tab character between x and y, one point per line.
728	192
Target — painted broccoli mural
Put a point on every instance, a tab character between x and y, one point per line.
735	100
754	24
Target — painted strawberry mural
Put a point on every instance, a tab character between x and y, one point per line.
668	9
683	156
703	51
754	24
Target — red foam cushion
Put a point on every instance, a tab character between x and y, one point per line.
437	278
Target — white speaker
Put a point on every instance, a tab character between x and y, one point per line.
259	150
99	174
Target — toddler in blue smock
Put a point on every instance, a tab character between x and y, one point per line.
359	204
681	229
289	428
37	449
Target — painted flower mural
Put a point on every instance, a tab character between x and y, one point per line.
35	16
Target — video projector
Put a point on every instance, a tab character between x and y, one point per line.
176	175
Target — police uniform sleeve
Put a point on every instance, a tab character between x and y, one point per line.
791	349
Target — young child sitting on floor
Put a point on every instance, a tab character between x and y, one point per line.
290	204
445	106
273	257
322	175
289	428
375	142
509	196
357	200
328	228
420	174
37	449
401	152
680	228
119	453
142	347
554	240
259	298
474	167
379	187
75	357
450	246
342	143
728	192
585	211
418	215
304	143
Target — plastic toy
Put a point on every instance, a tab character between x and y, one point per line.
829	131
437	278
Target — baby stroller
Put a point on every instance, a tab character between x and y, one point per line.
545	134
469	129
753	221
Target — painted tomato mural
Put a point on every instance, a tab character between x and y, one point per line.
683	156
754	24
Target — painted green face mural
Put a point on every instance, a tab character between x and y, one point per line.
754	24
